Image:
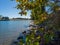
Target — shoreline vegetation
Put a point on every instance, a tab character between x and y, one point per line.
36	35
13	19
46	15
20	19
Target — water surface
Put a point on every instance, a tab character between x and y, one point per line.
10	30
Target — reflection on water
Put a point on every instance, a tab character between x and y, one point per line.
9	30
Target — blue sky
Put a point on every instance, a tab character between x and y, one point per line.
7	8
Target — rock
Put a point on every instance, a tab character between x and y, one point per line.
15	42
20	37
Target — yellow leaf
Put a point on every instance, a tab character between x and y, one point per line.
40	0
17	0
45	17
25	0
38	37
42	28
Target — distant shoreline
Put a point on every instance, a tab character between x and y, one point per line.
13	19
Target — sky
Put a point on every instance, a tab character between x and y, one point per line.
7	8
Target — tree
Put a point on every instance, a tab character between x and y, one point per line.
37	8
39	15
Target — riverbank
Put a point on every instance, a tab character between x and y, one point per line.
37	35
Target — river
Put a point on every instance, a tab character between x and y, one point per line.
10	30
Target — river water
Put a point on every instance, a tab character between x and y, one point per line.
10	30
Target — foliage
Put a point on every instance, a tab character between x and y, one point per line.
39	15
37	8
